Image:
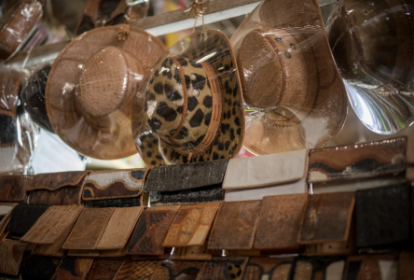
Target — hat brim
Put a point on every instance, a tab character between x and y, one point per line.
327	114
115	142
214	48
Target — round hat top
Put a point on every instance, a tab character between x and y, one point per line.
103	83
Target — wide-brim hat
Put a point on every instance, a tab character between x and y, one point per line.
294	94
91	86
373	48
192	103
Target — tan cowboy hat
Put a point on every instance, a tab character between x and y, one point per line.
294	94
91	86
193	104
373	48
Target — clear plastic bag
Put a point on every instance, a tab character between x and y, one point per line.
190	107
372	43
294	96
17	132
91	86
16	24
98	13
33	96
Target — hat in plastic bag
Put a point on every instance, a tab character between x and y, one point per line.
372	43
33	97
16	130
98	13
91	86
193	104
294	94
16	24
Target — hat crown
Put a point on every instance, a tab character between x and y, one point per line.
106	84
280	68
183	108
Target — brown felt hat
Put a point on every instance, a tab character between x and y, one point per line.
91	86
193	103
295	96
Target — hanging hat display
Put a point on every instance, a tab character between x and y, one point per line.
16	24
98	13
91	85
16	130
192	103
294	95
372	43
33	97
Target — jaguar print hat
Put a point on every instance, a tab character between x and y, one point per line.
91	86
294	94
193	104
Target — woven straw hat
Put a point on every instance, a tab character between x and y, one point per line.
193	104
91	86
294	92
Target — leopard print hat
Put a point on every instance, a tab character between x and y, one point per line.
193	104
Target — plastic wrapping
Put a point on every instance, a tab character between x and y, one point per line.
17	133
372	43
33	97
98	13
16	24
91	85
294	96
190	107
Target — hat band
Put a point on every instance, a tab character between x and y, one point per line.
215	115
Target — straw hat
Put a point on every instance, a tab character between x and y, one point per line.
193	104
91	86
295	95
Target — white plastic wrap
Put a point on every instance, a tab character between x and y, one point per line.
17	132
372	43
16	24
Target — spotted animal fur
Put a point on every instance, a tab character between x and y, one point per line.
156	147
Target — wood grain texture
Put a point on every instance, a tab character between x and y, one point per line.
119	228
235	225
191	225
88	229
279	222
52	224
327	218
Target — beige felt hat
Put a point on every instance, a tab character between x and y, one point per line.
193	104
295	96
91	86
